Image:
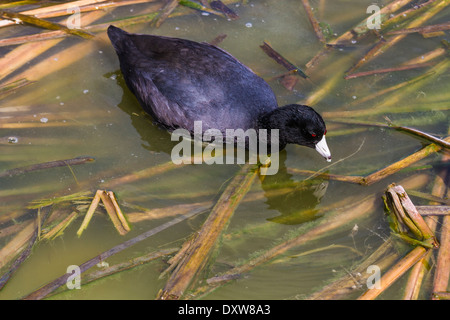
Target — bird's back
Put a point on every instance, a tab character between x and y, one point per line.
179	81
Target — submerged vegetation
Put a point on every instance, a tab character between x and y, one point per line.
354	72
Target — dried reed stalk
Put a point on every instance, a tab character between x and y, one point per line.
430	55
60	227
442	273
170	6
45	24
46	165
387	70
313	20
114	212
426	29
83	5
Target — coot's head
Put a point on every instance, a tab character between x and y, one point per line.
300	125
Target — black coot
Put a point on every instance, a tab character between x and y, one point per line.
179	81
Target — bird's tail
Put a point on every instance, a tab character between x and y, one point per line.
119	38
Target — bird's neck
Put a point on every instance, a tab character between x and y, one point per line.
266	126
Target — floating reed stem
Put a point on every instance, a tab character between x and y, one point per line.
114	212
327	176
165	12
16	3
60	227
406	15
418	133
6	89
387	70
41	23
21	55
46	165
200	248
442	273
83	5
426	29
313	20
221	7
281	60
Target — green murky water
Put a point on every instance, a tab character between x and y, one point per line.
79	105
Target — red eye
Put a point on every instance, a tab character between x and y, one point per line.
325	132
313	134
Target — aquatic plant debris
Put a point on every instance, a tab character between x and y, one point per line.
112	208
